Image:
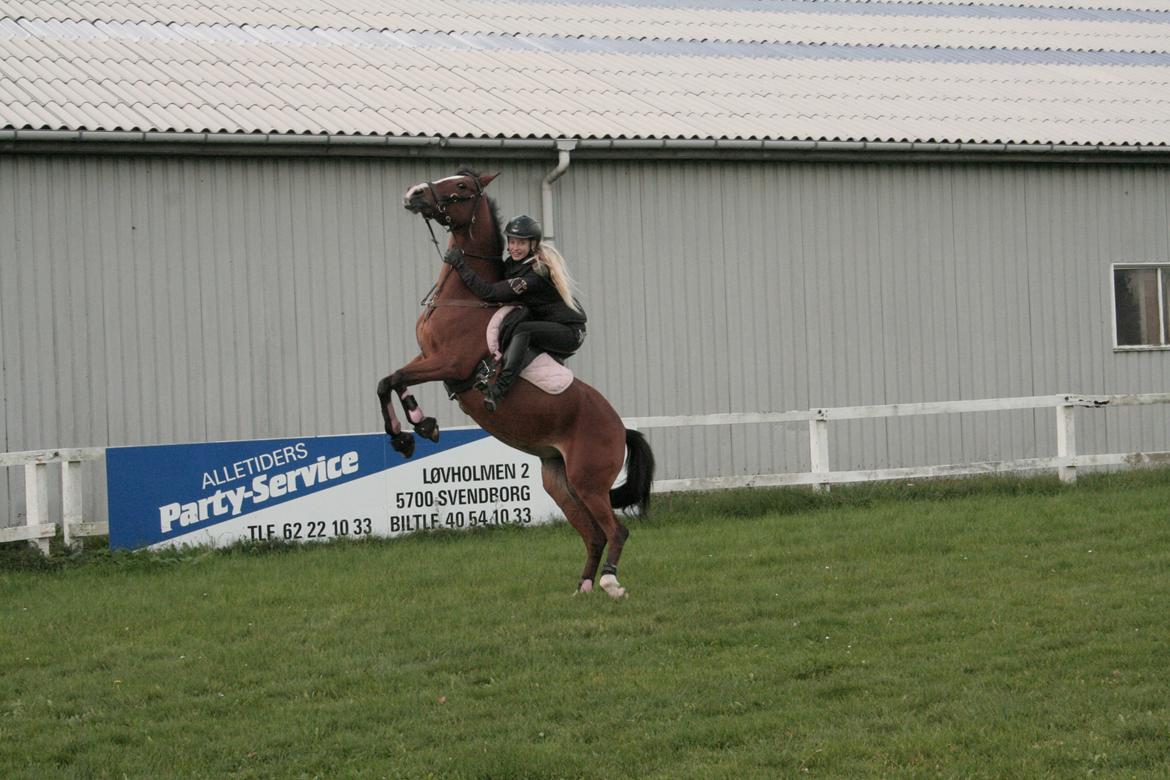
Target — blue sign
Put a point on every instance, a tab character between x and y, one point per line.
315	488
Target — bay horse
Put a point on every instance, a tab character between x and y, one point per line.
579	438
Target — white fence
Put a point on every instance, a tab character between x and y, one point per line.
39	529
1065	461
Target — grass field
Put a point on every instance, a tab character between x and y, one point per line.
998	628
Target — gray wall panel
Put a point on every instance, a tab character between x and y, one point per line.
11	481
151	300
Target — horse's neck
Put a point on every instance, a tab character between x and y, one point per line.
479	249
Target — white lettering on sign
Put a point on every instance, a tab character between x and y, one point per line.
263	462
264	487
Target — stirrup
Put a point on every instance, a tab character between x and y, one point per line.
484	373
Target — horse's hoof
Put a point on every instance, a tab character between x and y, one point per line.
403	443
609	584
428	428
585	586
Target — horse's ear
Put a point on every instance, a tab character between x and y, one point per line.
487	178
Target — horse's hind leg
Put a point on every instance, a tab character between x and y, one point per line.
557	486
590	482
616	535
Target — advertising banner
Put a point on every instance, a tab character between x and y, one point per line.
318	487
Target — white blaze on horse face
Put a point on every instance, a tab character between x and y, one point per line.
410	193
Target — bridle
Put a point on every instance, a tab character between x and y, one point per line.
443	203
430	300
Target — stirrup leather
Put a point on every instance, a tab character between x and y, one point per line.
478	378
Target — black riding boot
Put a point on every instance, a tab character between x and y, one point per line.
516	357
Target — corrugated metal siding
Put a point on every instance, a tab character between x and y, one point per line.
783	286
152	300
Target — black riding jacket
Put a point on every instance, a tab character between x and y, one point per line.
522	283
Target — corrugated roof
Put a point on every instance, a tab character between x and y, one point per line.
971	71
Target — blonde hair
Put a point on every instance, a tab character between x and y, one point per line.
547	256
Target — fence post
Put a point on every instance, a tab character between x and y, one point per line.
1066	441
70	498
818	442
36	500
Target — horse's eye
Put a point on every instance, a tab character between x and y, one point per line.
462	186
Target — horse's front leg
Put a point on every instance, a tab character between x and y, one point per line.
421	369
427	427
402	441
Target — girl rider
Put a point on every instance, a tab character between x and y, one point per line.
535	276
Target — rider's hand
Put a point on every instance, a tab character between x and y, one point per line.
454	257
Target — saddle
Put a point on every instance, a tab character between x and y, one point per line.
544	371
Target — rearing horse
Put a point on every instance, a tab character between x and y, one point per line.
577	435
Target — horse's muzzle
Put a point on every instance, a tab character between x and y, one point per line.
425	210
414	201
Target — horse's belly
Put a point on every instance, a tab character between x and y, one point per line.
533	443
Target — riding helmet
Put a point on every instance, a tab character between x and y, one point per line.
524	226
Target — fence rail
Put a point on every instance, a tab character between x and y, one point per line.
39	529
821	474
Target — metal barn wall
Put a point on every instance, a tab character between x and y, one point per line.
774	286
150	299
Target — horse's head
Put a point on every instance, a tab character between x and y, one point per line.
451	201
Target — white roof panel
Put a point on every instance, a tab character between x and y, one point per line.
12	92
1131	5
1048	71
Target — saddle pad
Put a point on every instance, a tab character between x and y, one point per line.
544	372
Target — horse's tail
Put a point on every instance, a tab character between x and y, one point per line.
635	491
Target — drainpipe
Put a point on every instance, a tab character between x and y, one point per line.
564	146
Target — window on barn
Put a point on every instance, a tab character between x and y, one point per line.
1141	305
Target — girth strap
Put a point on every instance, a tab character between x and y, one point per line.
482	369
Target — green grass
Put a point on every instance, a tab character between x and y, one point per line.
998	628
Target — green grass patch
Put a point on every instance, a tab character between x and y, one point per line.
994	628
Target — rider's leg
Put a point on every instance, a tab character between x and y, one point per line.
528	340
517	355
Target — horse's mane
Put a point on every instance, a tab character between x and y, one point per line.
493	208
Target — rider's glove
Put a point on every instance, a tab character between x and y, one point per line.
454	257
